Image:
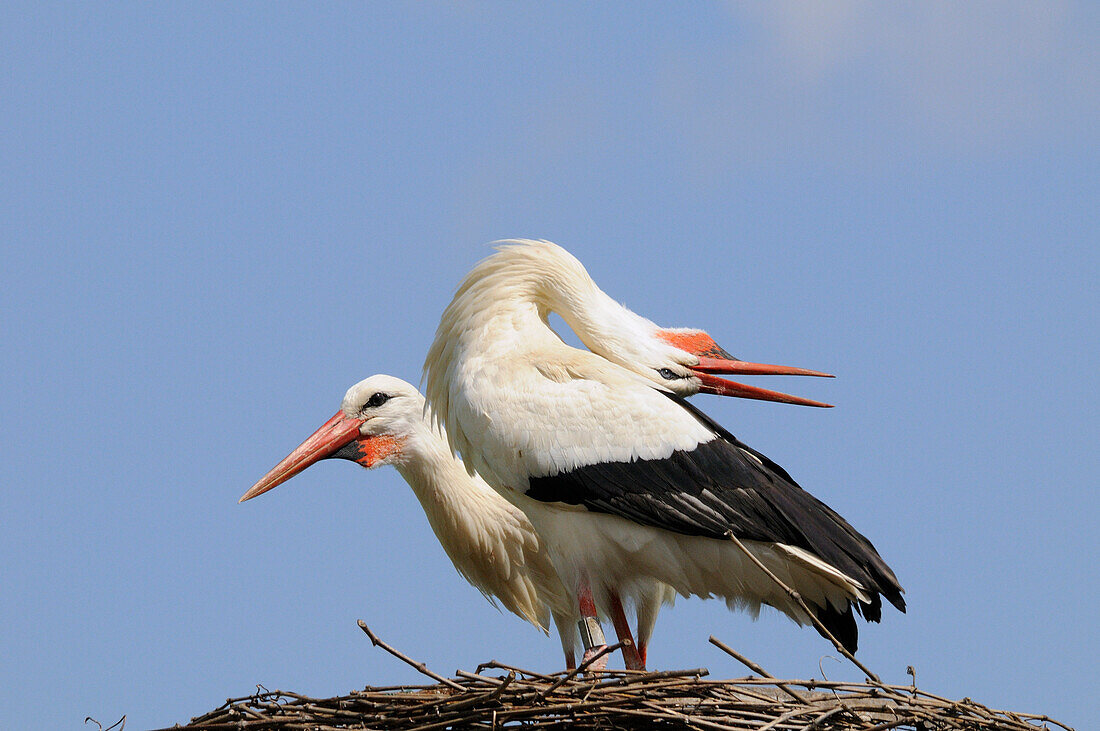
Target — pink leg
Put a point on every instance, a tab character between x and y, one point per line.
590	621
632	656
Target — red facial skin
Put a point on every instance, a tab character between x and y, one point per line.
371	449
696	342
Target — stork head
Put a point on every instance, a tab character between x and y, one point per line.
687	361
375	420
524	276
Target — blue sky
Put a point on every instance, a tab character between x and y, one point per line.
217	217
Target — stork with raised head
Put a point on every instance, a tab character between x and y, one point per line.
383	421
621	477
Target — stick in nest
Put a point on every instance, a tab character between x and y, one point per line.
805	607
419	666
582	667
627	702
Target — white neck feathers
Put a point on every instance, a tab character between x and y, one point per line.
502	306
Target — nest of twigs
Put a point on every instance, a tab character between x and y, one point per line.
501	696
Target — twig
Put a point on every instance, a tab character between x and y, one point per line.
891	724
740	658
580	668
501	688
805	607
419	666
614	684
467	675
752	666
628	701
823	717
505	666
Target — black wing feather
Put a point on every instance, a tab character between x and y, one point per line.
718	487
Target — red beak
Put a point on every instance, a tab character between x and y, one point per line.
326	441
722	387
743	367
714	359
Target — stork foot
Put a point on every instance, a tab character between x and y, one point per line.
590	653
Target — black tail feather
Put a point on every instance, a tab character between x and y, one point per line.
842	625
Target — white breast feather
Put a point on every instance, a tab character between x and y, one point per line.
491	543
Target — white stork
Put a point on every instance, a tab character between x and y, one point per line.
383	421
622	478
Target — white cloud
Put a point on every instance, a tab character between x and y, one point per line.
842	78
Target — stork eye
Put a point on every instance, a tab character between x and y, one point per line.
377	400
667	374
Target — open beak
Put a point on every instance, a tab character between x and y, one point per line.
333	435
711	383
714	359
719	361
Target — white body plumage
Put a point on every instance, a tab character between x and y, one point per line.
522	406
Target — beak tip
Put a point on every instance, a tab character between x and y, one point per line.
333	434
253	492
